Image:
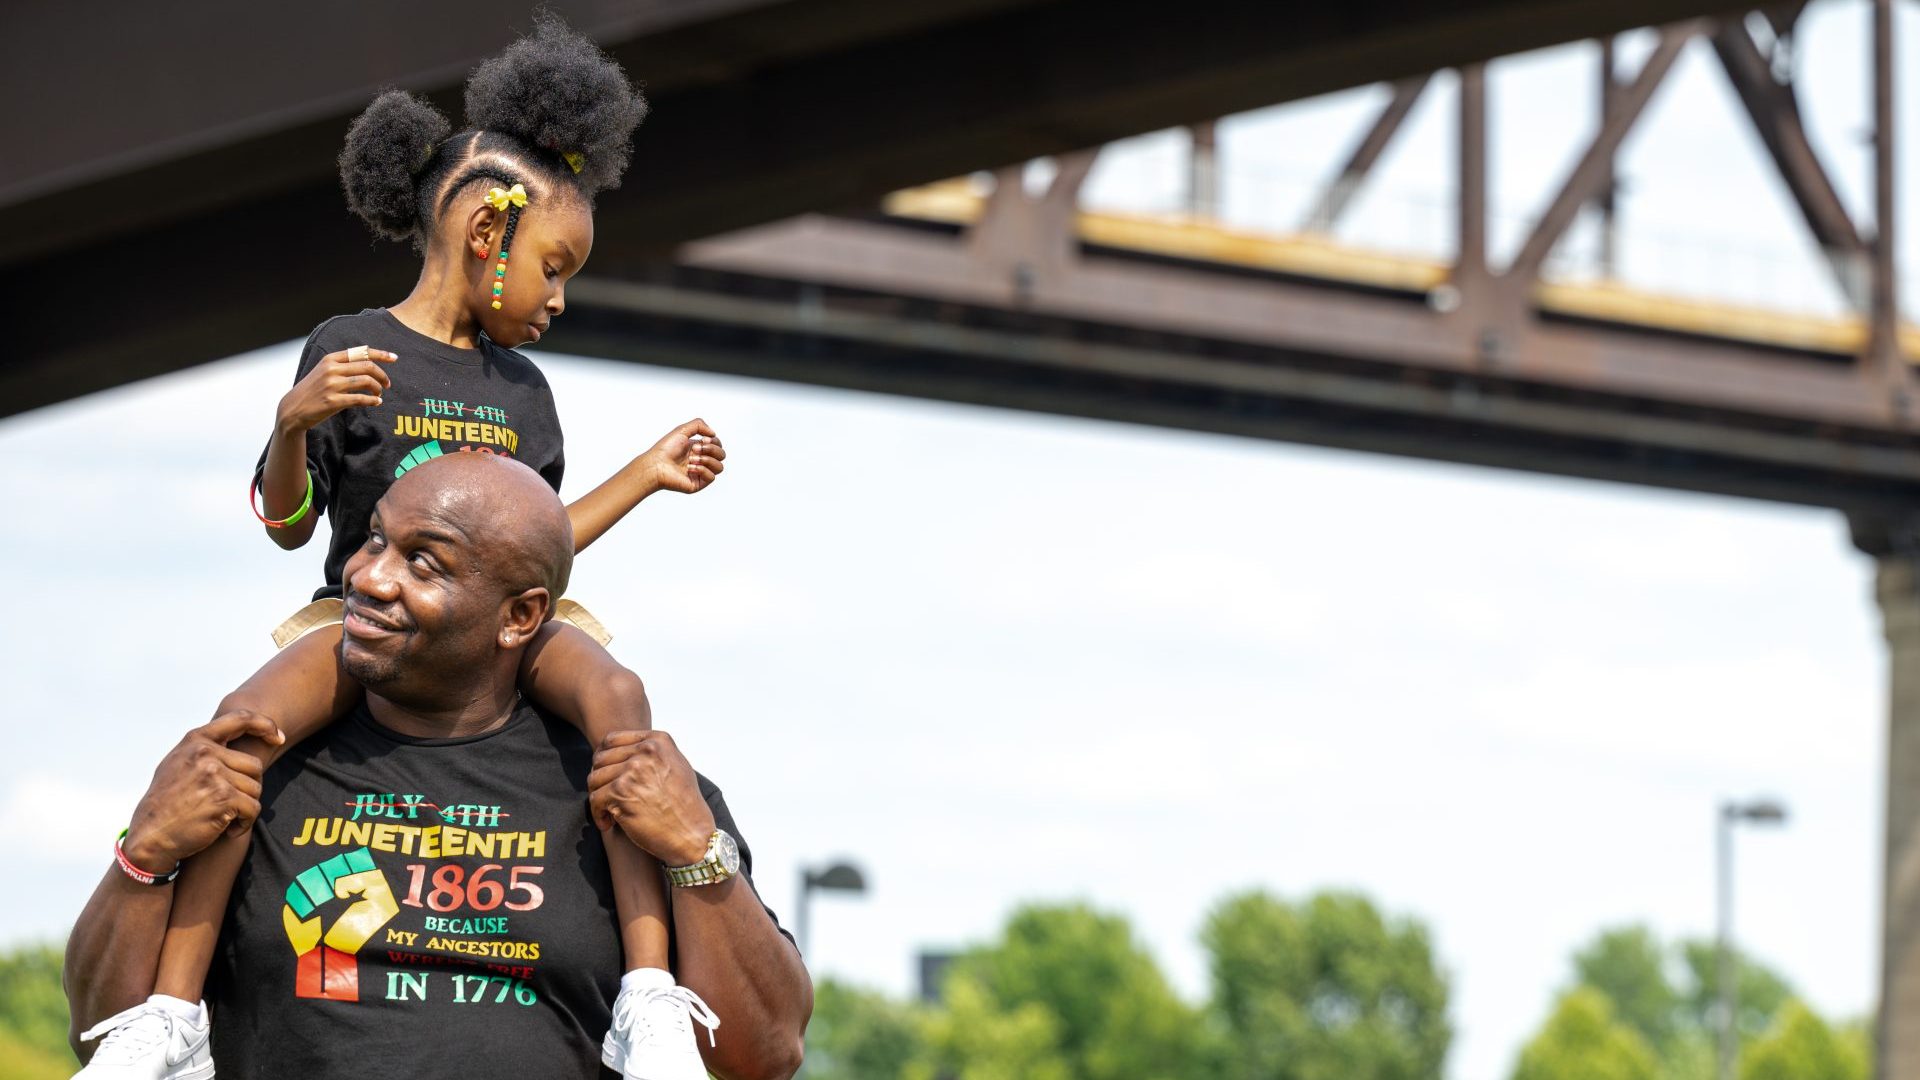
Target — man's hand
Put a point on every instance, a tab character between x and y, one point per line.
641	782
203	788
685	460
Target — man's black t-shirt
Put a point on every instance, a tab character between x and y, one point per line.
443	399
423	907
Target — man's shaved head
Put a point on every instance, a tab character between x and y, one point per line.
465	558
515	525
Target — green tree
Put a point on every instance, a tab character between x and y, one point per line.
977	1038
1759	992
859	1034
1112	1015
1629	965
1800	1046
22	1061
1583	1040
33	1008
1668	994
1325	990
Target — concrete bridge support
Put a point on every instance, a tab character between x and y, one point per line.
1897	552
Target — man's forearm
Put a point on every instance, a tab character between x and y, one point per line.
113	951
734	958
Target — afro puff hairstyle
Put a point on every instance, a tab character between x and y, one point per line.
546	99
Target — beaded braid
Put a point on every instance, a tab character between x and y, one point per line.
506	242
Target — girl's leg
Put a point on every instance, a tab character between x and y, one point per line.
303	690
640	899
571	676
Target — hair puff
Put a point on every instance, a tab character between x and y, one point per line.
556	91
387	147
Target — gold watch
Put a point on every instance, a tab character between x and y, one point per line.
721	863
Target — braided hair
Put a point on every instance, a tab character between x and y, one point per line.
552	112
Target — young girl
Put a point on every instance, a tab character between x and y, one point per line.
501	214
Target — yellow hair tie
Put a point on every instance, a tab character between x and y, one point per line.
498	199
576	162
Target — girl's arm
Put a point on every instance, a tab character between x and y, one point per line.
302	689
568	674
339	380
686	460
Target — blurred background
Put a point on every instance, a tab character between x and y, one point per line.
1269	541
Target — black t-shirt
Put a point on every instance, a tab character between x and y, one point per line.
443	399
423	907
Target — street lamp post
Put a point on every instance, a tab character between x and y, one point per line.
841	876
1759	812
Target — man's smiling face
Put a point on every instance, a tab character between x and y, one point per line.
422	612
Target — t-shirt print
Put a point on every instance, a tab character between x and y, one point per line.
443	400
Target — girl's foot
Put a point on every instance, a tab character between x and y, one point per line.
652	1034
162	1038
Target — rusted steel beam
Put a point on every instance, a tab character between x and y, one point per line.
1776	118
1470	256
1604	202
1340	191
1026	235
1303	393
1110	289
1590	174
1203	169
1884	295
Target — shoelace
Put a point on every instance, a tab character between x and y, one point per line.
128	1037
690	1006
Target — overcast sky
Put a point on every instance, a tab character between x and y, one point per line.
998	657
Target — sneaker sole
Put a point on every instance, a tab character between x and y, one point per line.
198	1072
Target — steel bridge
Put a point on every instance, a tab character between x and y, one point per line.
851	115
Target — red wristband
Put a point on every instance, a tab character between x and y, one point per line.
134	872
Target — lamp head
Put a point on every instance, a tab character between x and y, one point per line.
842	876
1759	811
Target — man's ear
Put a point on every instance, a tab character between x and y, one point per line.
478	236
522	616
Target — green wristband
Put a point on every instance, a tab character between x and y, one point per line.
253	498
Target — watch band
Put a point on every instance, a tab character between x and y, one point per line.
708	871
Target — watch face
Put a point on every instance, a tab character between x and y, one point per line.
727	852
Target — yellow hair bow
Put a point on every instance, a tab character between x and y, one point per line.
498	199
576	162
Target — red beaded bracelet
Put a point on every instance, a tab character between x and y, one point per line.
134	872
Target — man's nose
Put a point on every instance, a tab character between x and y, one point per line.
374	577
557	303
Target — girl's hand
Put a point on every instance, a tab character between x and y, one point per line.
686	460
339	381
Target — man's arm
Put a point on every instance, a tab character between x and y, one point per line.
202	789
730	952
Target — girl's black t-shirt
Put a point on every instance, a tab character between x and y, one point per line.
443	400
423	907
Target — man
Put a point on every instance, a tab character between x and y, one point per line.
426	893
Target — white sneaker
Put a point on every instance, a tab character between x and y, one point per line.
652	1033
154	1040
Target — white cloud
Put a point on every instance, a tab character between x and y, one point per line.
60	820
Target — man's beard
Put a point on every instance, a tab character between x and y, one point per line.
370	670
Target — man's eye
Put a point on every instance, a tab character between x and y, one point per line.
552	273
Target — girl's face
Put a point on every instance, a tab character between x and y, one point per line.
550	244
